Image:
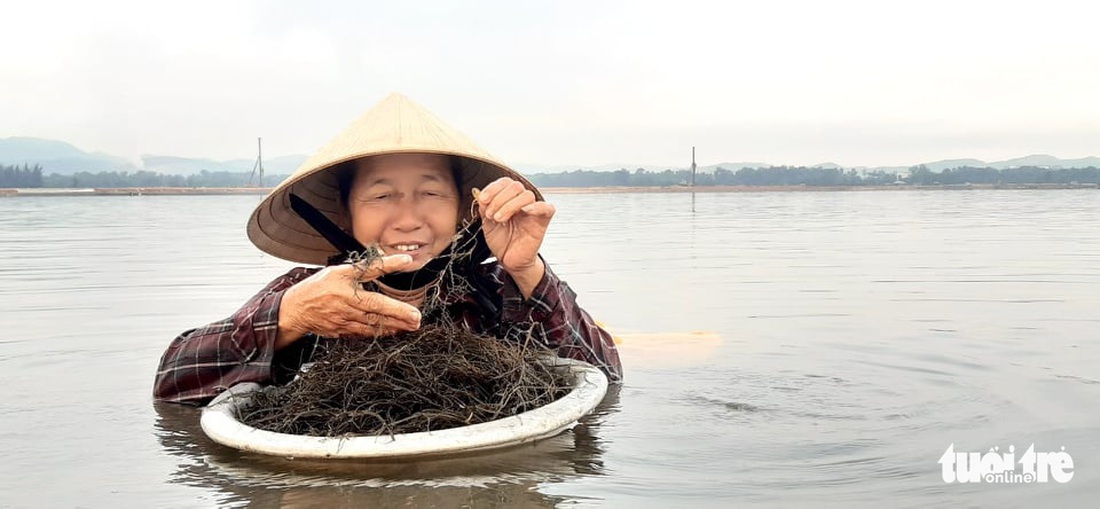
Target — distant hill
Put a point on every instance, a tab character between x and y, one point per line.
63	158
729	166
1039	160
532	169
946	164
1047	161
284	165
21	148
172	165
58	156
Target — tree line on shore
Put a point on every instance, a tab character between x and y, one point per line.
33	177
921	175
25	176
809	176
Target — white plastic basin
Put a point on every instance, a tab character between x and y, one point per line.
219	422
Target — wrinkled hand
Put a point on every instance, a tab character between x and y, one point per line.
515	225
332	303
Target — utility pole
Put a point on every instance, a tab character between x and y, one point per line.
259	164
693	182
692	166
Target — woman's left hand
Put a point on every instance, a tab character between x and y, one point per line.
514	224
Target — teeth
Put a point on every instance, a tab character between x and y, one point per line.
407	247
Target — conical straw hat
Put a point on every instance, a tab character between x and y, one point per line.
395	125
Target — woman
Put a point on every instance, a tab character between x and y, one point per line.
403	181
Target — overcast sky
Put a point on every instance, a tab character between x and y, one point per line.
563	82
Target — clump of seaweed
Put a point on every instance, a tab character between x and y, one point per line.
438	377
435	378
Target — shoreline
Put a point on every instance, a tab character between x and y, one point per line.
203	191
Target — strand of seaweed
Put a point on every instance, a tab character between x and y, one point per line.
431	379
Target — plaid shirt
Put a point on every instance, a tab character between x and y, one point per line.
200	363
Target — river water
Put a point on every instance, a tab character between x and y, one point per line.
781	349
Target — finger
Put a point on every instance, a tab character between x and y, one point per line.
486	195
378	267
372	321
540	209
387	322
359	331
508	209
377	304
502	197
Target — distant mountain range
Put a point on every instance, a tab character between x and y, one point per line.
60	157
1040	160
63	158
171	165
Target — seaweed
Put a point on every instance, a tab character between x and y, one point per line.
435	378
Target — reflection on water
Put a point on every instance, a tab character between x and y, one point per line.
507	478
781	349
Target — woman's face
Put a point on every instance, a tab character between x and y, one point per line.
407	203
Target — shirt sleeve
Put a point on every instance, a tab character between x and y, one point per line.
553	317
202	362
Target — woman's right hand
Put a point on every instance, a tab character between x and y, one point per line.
333	303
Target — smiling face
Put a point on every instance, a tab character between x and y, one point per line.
407	203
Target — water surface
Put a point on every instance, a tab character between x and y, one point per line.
849	338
